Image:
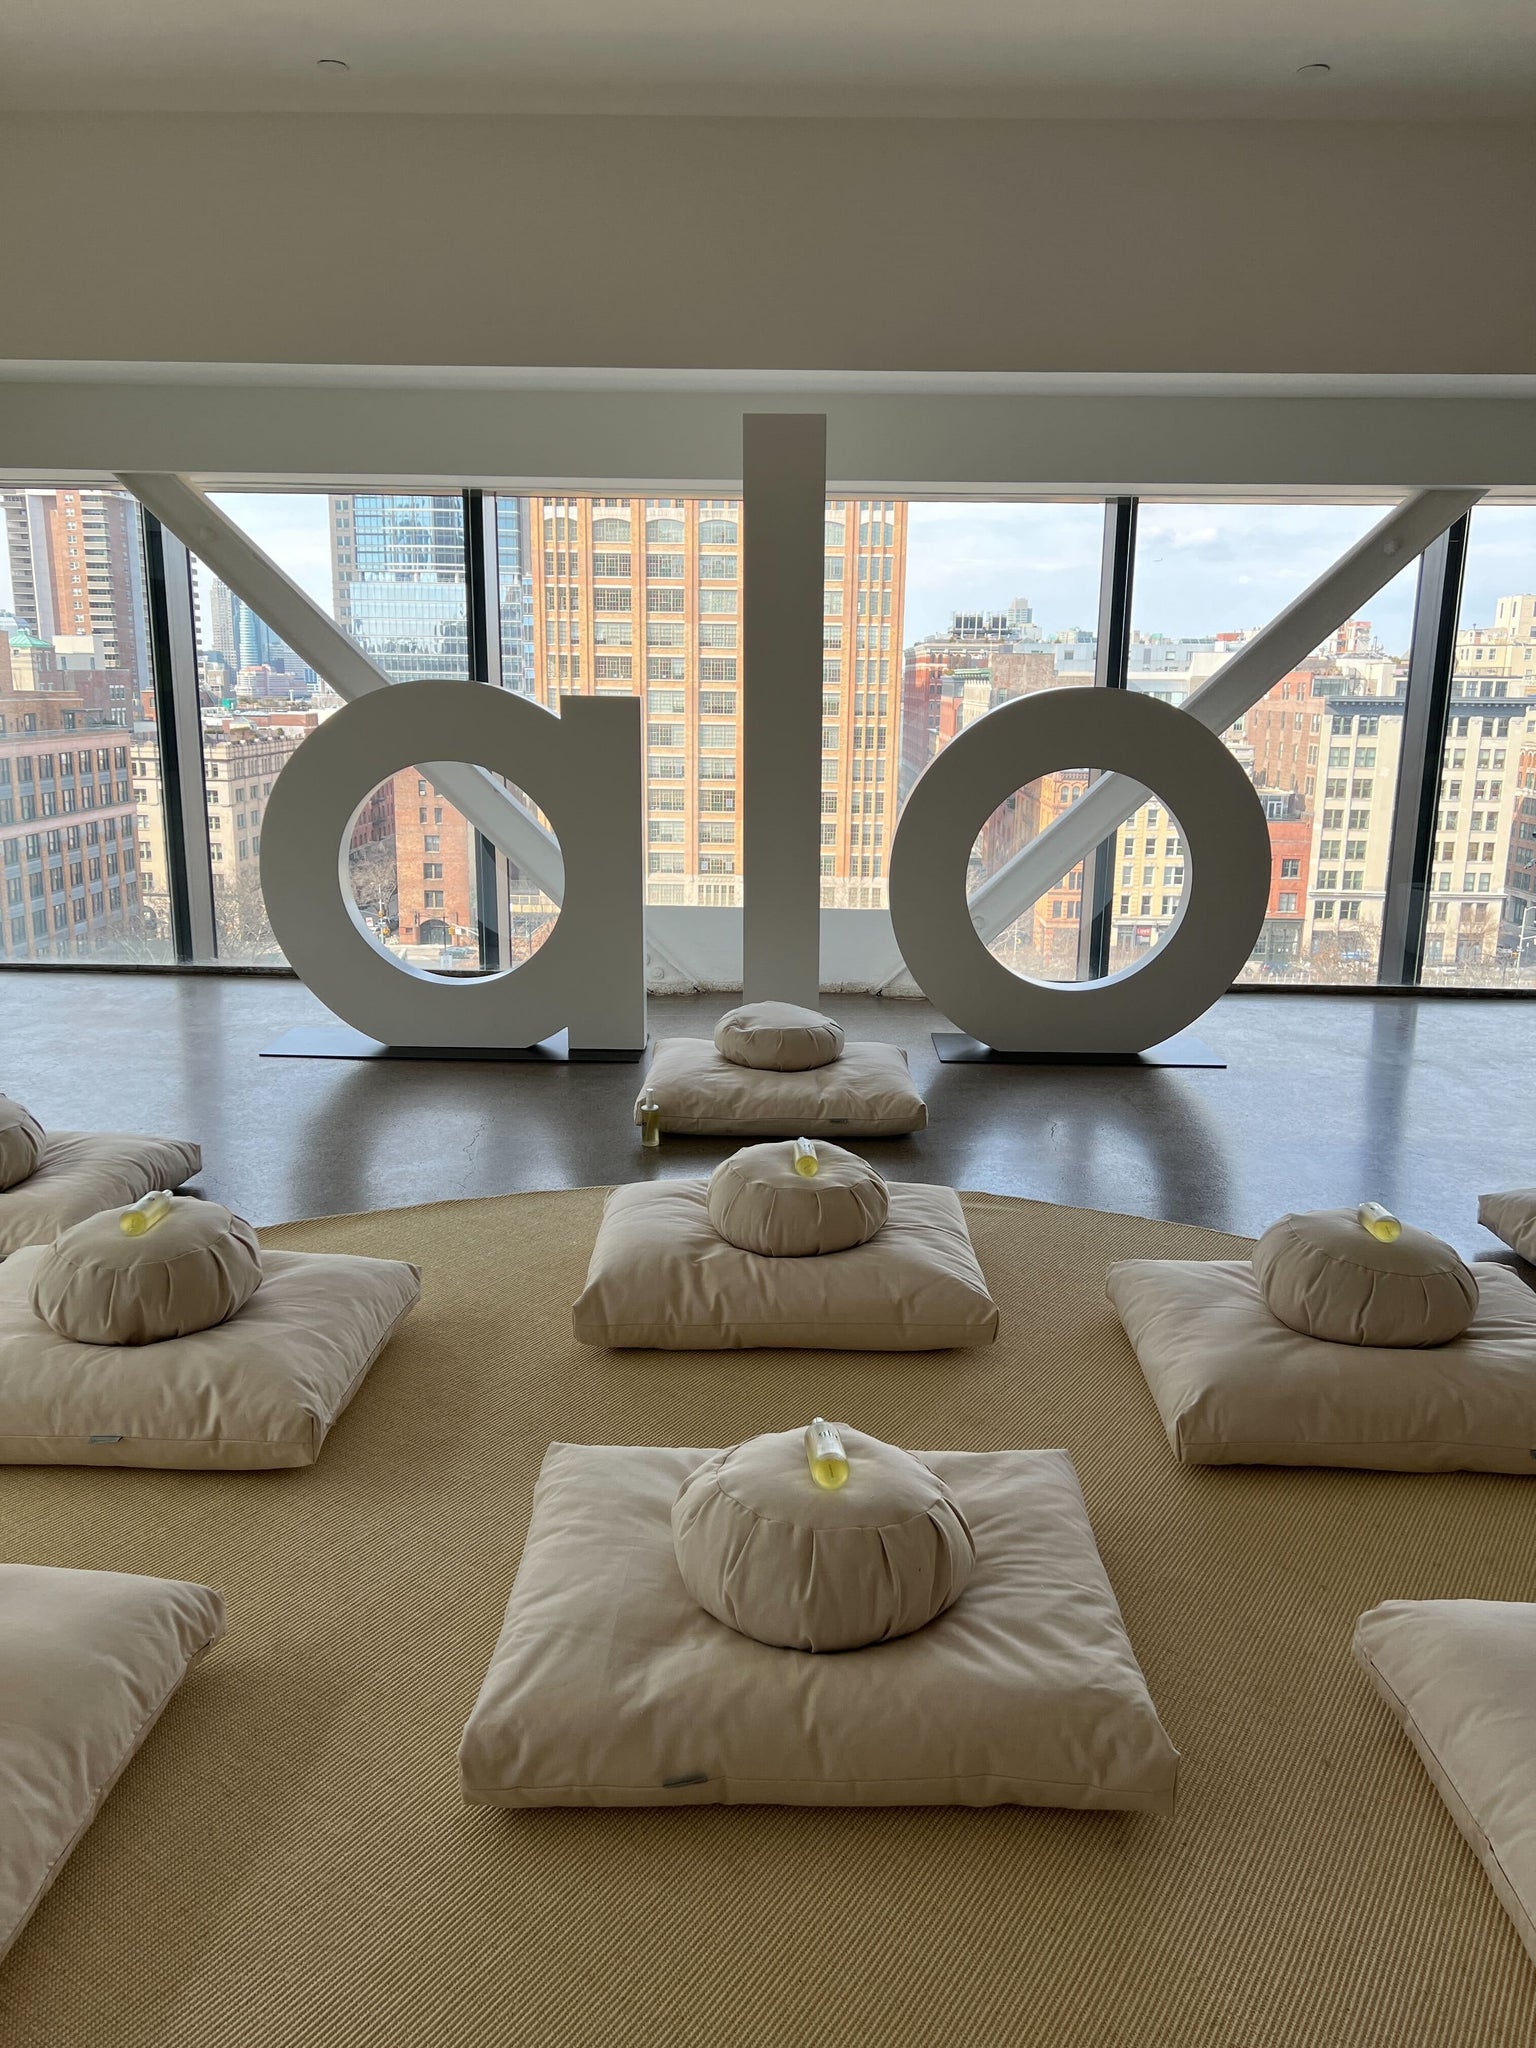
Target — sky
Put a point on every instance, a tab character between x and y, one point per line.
1200	569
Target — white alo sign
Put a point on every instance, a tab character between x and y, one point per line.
585	769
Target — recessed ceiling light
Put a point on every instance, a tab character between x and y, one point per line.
1312	70
334	64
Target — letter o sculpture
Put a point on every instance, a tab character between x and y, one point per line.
1219	920
582	768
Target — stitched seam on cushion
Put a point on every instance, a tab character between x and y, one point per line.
99	1793
1359	1265
1360	1443
924	1778
773	1125
832	1529
821	1322
40	1436
1408	1718
194	1251
318	1434
46	1436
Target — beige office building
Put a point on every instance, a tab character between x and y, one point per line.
640	595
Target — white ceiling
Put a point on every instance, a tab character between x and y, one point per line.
1067	58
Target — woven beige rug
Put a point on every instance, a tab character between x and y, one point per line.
288	1862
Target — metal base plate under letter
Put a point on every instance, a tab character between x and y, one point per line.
341	1042
1184	1049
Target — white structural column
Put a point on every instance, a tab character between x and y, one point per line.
295	617
784	493
1234	689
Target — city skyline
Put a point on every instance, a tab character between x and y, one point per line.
977	555
966	555
621	595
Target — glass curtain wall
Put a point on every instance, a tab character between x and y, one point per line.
1002	602
389	567
642	597
82	841
1322	748
1481	927
935	614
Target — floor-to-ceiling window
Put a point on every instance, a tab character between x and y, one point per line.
83	853
1481	926
1321	746
935	613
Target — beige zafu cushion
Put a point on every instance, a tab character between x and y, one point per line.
1326	1276
1460	1675
759	1202
83	1172
767	1551
611	1686
21	1143
780	1036
867	1093
1236	1387
257	1392
661	1276
1511	1216
198	1266
88	1662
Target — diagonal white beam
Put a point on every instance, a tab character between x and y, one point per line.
294	616
1234	689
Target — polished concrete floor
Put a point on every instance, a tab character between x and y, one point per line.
1325	1100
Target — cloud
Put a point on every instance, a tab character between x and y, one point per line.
1200	569
293	528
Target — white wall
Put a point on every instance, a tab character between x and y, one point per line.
914	245
266	427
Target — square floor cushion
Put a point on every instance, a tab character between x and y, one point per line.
865	1093
1460	1675
257	1392
1511	1216
82	1172
661	1276
88	1660
1234	1386
611	1686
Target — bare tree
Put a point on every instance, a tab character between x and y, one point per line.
375	881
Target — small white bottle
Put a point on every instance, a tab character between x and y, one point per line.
1378	1219
825	1455
650	1120
145	1213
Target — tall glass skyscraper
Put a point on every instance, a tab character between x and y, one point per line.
515	579
397	565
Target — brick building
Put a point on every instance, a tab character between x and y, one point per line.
434	904
69	884
1285	729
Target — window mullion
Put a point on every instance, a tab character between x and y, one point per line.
178	721
1426	715
1111	672
482	596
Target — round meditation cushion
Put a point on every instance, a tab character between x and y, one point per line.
766	1550
1325	1275
21	1143
778	1035
758	1202
199	1266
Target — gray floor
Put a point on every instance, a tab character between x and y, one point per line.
1325	1100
